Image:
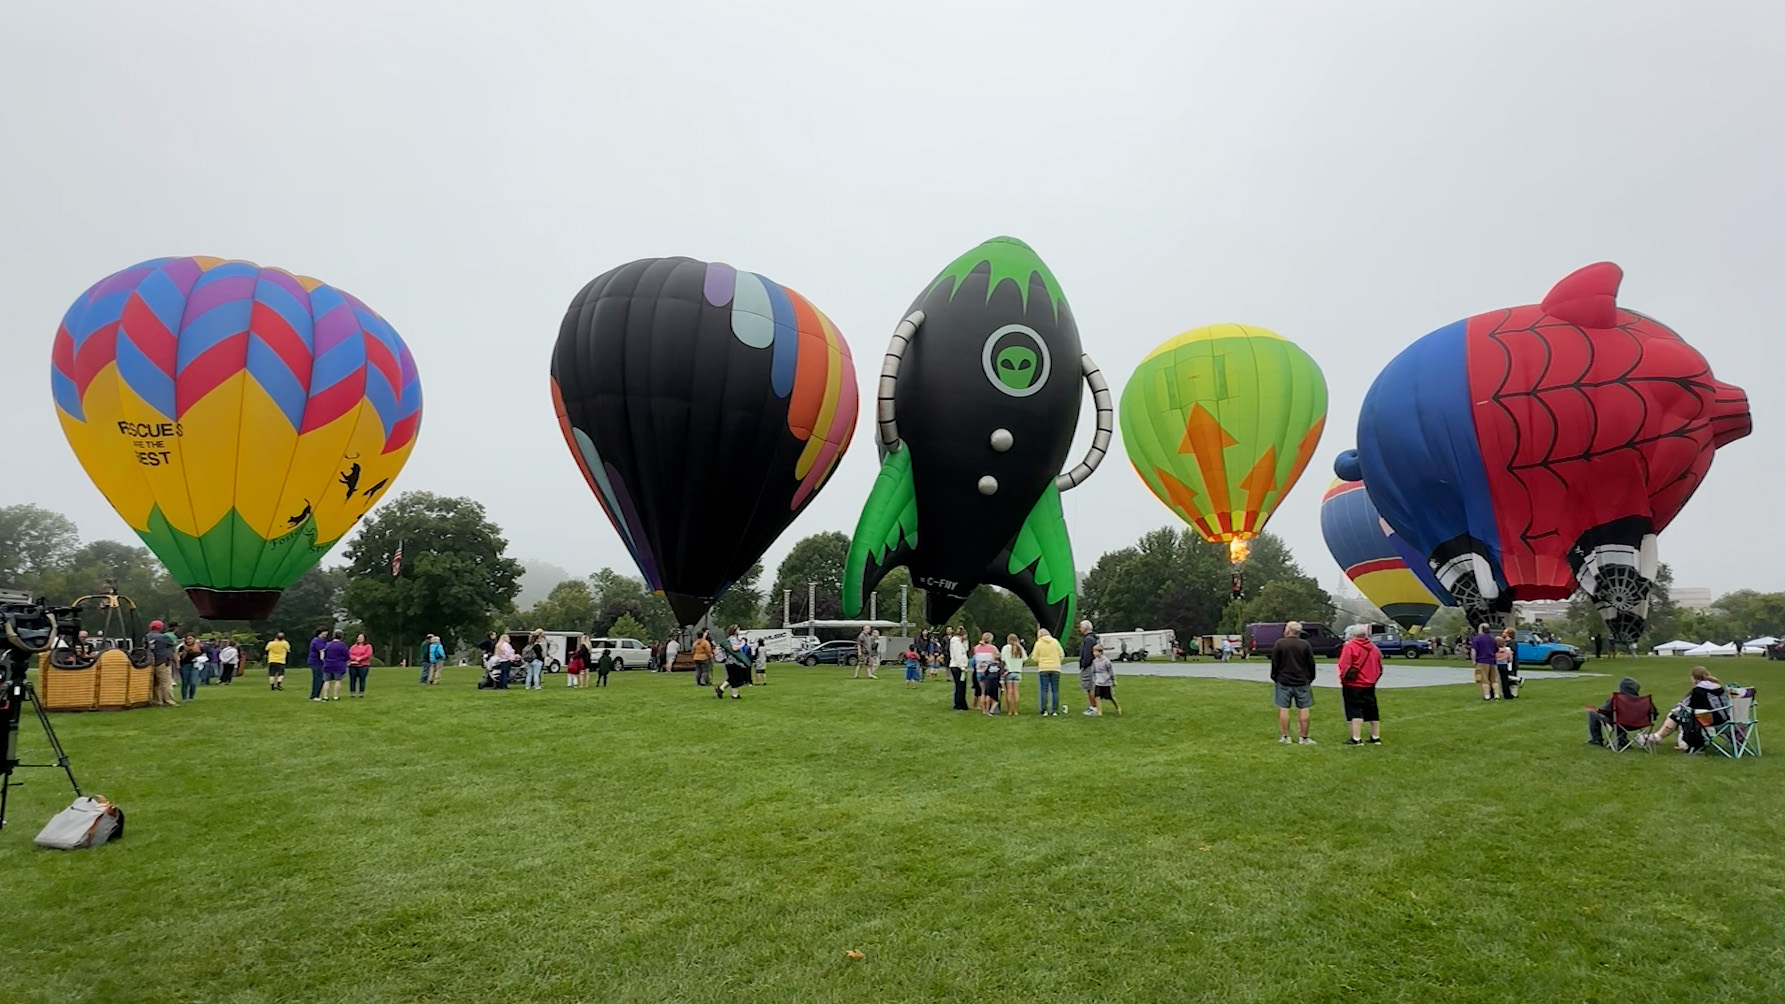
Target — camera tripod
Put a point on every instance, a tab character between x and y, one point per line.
18	692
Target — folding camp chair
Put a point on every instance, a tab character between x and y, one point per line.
1738	735
1631	716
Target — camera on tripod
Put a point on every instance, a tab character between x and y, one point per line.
29	626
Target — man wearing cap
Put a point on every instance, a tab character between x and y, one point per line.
161	653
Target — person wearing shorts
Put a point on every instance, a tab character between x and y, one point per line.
278	650
1292	679
1485	651
1360	666
1012	656
334	667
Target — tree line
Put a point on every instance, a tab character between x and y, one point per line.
457	581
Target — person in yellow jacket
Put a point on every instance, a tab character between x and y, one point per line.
1048	655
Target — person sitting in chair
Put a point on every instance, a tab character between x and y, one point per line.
1707	703
1626	710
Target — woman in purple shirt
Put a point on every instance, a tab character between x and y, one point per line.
334	666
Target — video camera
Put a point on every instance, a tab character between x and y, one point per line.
28	626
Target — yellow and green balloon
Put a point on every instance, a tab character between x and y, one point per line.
241	419
1220	421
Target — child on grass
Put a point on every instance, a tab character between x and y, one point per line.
1103	682
913	671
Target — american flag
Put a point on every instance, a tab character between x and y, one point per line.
396	561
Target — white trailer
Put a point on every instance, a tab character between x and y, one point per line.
1137	646
781	644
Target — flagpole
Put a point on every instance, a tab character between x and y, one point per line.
396	571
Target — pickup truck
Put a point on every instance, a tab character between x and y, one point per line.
1532	651
1392	644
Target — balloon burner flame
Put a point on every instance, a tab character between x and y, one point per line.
1237	550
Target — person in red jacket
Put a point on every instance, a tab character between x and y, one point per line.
1360	666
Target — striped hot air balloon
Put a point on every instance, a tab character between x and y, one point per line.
1219	422
241	419
1382	567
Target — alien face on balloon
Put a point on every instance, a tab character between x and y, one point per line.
1016	360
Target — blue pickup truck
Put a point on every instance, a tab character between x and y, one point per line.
1393	643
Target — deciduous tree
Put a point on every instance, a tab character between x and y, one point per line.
455	575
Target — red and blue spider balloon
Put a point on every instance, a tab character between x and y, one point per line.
1533	451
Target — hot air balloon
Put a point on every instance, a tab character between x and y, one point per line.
979	396
241	419
1219	422
706	407
1365	547
1532	451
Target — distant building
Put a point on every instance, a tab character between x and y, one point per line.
1692	597
1541	610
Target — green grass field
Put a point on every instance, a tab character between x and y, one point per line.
647	842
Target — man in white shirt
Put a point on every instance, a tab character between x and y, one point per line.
957	666
669	655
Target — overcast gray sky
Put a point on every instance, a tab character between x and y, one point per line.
1351	175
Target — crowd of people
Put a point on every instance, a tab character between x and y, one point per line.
987	677
198	661
501	661
994	673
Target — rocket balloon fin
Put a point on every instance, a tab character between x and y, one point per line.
886	534
1037	566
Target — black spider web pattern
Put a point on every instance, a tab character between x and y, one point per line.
1700	385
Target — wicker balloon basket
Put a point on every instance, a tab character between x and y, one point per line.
108	683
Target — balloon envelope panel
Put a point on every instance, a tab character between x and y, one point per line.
706	407
1356	537
1220	422
241	419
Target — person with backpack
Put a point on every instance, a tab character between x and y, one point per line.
534	654
736	655
432	655
1360	666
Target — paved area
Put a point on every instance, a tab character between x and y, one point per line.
1395	672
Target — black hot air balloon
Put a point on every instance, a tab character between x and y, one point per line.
706	406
